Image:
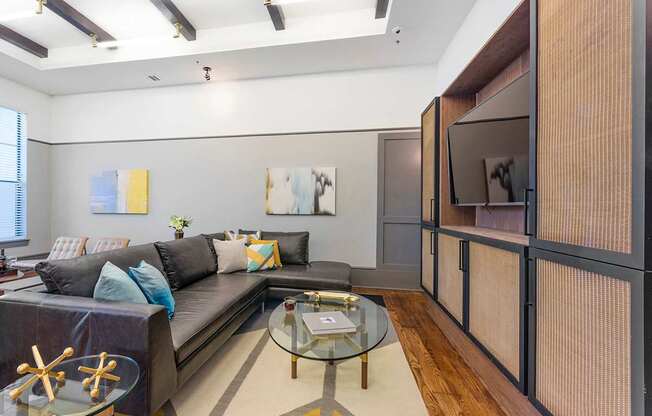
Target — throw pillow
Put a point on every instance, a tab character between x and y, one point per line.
232	235
231	255
215	236
260	257
187	260
277	253
115	285
293	245
154	285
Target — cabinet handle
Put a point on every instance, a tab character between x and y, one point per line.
432	243
526	200
432	209
459	257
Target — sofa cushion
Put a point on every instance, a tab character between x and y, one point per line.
215	236
231	255
203	307
319	275
154	285
78	276
187	260
115	285
293	246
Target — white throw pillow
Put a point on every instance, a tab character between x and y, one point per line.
231	255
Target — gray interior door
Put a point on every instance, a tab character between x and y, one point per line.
399	205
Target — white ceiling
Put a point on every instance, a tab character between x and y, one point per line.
235	37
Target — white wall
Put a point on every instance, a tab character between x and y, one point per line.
37	106
371	99
483	20
220	181
221	184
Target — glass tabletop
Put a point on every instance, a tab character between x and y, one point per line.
289	332
71	397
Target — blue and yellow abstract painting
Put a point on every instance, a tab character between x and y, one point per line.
300	191
120	191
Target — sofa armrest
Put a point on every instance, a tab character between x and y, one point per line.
54	322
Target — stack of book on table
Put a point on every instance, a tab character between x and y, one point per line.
328	323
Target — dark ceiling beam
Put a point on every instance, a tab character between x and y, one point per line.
381	8
276	14
22	42
75	18
175	16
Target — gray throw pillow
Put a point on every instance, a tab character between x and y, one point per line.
187	260
293	246
231	255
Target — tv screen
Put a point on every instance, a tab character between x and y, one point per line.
489	161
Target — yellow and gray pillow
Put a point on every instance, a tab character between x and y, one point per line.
277	252
260	257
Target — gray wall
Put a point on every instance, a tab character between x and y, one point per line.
38	201
221	184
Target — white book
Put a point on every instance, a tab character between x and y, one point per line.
328	323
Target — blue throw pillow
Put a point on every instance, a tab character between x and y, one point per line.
114	284
154	285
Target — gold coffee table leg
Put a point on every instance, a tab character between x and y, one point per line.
294	365
365	362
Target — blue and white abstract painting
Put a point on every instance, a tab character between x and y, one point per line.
300	191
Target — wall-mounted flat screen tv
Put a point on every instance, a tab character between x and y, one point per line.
489	149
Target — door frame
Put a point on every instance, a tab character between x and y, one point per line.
380	265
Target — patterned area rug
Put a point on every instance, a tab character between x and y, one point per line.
250	376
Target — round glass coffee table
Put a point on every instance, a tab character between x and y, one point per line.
71	397
288	331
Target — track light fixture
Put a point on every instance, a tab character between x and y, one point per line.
39	6
207	73
178	26
94	40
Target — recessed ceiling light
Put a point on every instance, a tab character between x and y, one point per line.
154	78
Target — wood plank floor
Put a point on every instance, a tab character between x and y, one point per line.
448	384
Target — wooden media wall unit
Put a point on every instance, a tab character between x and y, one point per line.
556	291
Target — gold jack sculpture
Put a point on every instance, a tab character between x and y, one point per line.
99	373
41	372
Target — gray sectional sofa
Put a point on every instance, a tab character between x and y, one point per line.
209	309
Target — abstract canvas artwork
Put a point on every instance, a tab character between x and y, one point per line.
121	191
300	191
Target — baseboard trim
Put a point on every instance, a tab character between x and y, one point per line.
385	279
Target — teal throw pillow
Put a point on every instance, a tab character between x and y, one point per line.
114	284
154	286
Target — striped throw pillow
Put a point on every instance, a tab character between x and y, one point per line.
260	257
277	252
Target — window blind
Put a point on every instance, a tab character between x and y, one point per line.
12	175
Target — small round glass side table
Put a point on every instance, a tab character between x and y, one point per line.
71	398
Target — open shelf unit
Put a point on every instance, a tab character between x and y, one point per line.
504	58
